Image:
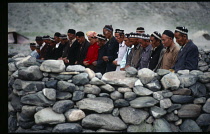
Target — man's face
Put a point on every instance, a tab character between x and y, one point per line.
39	42
63	41
167	41
57	39
180	39
134	41
127	42
32	48
79	39
106	33
71	36
47	41
92	40
101	42
144	43
154	41
119	38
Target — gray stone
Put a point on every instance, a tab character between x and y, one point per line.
105	121
37	127
78	95
143	127
157	112
174	128
66	86
198	90
170	81
12	124
189	111
27	113
207	86
182	99
23	61
96	81
174	107
26	124
203	120
28	86
146	75
196	72
119	78
203	68
45	74
73	115
187	80
11	81
182	91
91	73
98	104
107	88
60	76
104	130
138	83
200	100
162	72
141	102
165	103
104	95
98	75
205	78
80	79
142	91
15	74
202	63
121	103
30	73
158	95
37	99
206	106
51	84
171	117
55	66
63	95
67	128
15	102
92	89
183	72
129	96
50	93
166	93
12	67
124	90
190	126
150	120
75	68
48	116
131	71
161	125
91	96
116	95
62	106
45	79
116	112
154	85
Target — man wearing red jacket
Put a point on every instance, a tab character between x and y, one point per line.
92	53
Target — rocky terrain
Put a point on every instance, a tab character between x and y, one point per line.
46	96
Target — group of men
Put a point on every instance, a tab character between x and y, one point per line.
116	51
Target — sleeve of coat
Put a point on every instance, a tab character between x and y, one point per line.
191	61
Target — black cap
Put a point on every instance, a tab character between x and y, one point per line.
134	35
169	33
57	34
156	34
47	37
63	36
100	36
33	44
80	33
140	29
38	38
182	30
119	31
108	27
127	35
72	31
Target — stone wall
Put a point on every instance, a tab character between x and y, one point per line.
49	97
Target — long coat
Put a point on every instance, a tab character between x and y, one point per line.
187	57
82	52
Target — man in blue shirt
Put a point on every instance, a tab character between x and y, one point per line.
188	54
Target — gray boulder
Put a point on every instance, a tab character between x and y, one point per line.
51	84
62	106
73	115
12	67
78	95
146	75
50	93
105	121
116	95
187	80
119	78
183	72
142	91
107	88
23	61
171	117
200	100
80	79
48	116
143	127
133	116
129	96
205	78
92	89
190	126
154	85
182	91
63	95
165	103
196	72
162	72
131	71
161	125
174	107
170	81
182	99
96	81
198	90
66	86
60	76
189	111
67	128
124	89
75	68
157	112
55	66
203	120
98	104
141	102
206	106
30	73
121	103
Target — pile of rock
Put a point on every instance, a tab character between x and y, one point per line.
204	60
49	97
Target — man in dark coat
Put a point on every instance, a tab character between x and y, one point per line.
188	55
157	47
51	50
112	47
83	48
44	47
63	44
100	63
